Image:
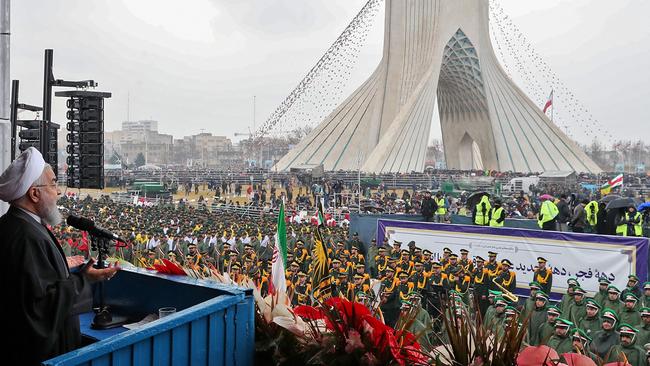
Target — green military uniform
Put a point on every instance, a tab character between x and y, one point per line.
561	344
495	324
567	299
489	312
630	315
643	336
603	284
645	298
604	340
547	329
577	310
537	318
591	325
634	354
529	304
615	305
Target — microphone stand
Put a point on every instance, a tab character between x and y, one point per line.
103	318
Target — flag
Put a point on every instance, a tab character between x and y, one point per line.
549	102
613	183
278	283
320	276
319	214
616	181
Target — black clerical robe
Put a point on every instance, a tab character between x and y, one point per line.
41	298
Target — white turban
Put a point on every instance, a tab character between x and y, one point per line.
21	174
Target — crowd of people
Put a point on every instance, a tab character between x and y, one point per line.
392	277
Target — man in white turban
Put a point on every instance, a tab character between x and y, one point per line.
41	297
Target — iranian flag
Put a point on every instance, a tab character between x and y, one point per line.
278	283
549	102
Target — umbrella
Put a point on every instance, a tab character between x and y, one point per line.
574	359
643	206
619	203
475	198
536	356
609	198
546	197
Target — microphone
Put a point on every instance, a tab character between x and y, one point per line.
88	225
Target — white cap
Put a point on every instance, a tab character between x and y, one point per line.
21	174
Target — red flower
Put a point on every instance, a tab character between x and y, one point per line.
309	312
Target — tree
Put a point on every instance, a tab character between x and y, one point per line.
139	160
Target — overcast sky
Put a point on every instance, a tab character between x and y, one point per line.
195	65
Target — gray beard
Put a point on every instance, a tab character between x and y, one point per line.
51	215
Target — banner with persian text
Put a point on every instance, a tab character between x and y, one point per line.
583	256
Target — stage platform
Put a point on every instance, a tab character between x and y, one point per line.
214	324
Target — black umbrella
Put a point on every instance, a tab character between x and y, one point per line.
610	198
620	203
475	198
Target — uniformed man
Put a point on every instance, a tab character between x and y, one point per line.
568	298
592	322
437	278
529	304
538	317
505	277
546	330
581	343
404	264
446	252
627	350
481	282
426	260
645	300
499	318
301	291
492	265
381	261
356	257
543	275
603	341
577	309
613	300
404	287
643	336
396	252
632	287
489	312
629	314
466	264
419	277
601	296
560	341
343	287
452	263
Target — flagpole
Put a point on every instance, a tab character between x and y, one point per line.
552	106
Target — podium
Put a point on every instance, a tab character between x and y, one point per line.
214	324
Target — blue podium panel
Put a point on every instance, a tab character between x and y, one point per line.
214	324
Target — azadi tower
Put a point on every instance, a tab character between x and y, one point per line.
438	48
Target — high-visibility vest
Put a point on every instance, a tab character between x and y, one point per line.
496	214
441	206
482	217
622	229
591	211
548	211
